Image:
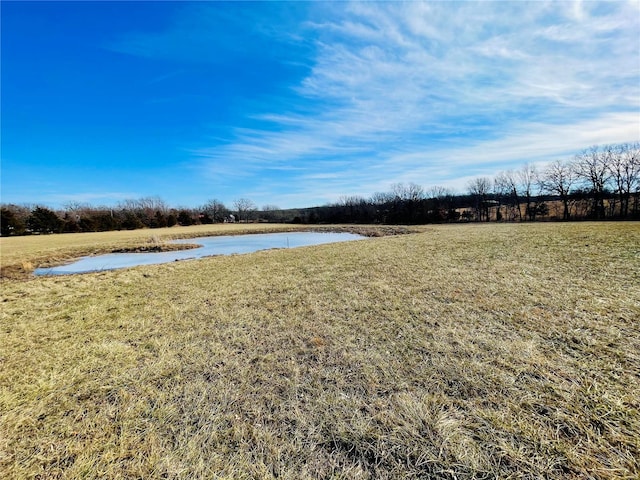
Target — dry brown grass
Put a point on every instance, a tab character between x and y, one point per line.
20	255
480	351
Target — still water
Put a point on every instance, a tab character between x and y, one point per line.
222	245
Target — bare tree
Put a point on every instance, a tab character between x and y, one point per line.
624	166
154	204
558	179
633	155
351	200
409	192
592	168
270	208
77	210
506	184
216	210
479	189
501	193
150	211
380	198
75	206
441	203
439	192
271	213
245	208
528	178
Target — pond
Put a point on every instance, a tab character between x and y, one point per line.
220	245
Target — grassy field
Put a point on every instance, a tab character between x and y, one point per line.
464	351
20	255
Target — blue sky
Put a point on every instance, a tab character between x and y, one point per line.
299	103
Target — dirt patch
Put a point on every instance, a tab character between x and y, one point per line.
169	247
372	230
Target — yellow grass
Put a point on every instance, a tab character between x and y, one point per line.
477	351
19	255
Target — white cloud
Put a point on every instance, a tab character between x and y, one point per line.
427	92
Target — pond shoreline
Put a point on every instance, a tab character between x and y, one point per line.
213	245
22	268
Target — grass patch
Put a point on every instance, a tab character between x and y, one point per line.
21	255
477	351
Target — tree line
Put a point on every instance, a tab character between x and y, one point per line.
147	212
601	182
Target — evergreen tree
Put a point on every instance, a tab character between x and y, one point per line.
43	220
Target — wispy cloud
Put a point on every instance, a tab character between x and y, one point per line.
417	91
298	103
425	92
